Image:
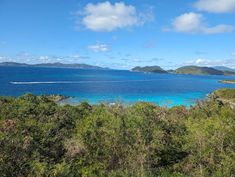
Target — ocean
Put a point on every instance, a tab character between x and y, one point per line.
109	86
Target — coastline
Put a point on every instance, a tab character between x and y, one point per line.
216	95
227	81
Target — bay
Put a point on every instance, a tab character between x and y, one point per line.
109	86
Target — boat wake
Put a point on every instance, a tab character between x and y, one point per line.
80	82
34	83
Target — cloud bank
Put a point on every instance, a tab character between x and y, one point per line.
25	57
106	17
210	63
195	23
216	6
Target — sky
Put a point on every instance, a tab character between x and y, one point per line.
119	34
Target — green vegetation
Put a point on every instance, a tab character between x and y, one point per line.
202	71
41	138
185	70
149	69
225	96
228	94
198	70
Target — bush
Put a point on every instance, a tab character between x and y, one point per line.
40	138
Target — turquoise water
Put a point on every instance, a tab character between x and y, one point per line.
109	86
162	100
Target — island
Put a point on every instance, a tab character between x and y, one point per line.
197	70
149	69
227	81
194	70
52	65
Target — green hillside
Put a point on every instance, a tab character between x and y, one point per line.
199	70
228	94
149	69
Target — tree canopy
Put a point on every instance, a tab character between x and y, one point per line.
41	138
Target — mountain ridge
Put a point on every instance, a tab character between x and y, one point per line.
53	65
223	68
195	70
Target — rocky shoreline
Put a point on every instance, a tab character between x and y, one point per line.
57	98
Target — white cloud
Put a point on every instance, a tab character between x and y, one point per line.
76	56
233	54
5	59
44	59
210	63
216	6
200	61
195	23
99	47
105	16
25	57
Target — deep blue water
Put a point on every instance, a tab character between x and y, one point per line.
109	85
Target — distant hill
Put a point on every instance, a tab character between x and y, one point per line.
202	71
149	69
13	64
223	68
52	65
229	73
196	70
62	65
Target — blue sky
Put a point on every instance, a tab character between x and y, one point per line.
119	34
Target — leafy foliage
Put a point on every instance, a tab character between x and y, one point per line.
40	138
